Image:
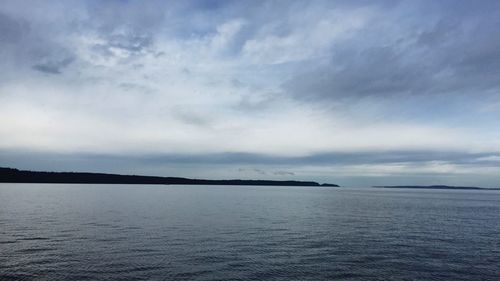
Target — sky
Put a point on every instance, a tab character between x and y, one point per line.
357	93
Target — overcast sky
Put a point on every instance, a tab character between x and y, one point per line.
349	92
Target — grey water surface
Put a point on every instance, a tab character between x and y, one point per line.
123	232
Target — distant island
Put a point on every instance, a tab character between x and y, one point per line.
10	175
436	187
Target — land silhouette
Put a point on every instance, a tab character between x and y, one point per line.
436	187
10	175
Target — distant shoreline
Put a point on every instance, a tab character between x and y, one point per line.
10	175
443	187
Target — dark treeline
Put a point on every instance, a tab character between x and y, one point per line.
19	176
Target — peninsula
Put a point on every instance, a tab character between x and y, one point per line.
437	187
9	175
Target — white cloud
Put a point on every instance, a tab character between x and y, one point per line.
225	34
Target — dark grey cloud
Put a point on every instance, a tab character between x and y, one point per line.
28	43
54	66
337	158
137	16
12	30
15	158
374	71
438	49
211	165
47	68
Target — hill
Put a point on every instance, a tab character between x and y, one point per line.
19	176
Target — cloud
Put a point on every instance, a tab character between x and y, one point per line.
447	53
395	85
11	30
284	173
351	169
54	66
263	163
134	43
296	36
490	158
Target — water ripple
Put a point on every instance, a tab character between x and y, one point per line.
245	233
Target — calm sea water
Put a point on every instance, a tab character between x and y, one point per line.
97	232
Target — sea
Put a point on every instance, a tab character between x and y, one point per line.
173	232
